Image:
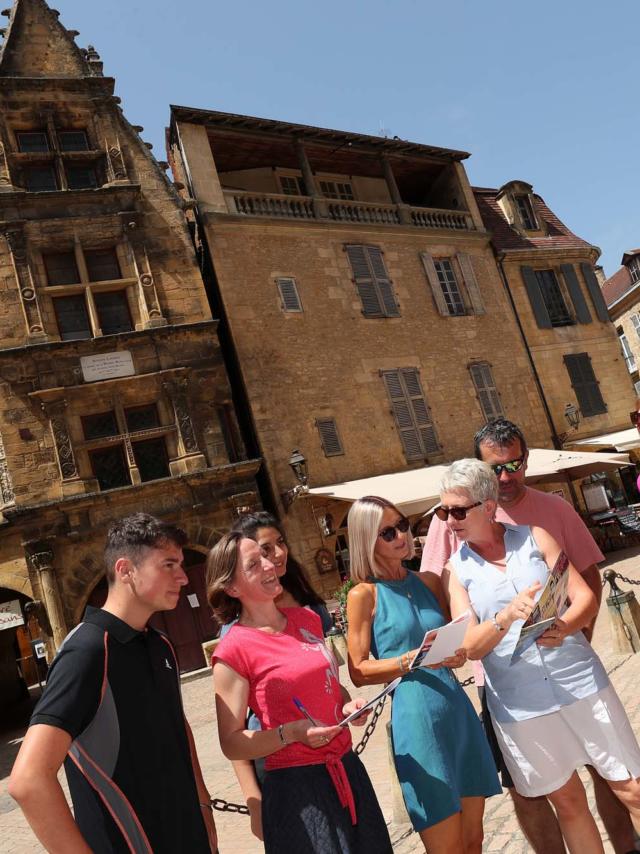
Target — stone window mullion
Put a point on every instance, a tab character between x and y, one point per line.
121	418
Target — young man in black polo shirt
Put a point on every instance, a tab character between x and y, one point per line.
112	712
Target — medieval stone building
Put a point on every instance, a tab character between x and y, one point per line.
378	311
113	393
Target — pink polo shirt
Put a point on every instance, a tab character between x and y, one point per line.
541	509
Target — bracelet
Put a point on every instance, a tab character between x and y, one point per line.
281	734
404	668
496	625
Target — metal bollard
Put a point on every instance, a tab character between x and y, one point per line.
624	616
338	643
400	814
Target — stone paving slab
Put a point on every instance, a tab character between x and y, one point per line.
501	829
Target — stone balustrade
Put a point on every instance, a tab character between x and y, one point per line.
247	203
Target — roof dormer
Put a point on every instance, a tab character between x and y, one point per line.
517	203
631	260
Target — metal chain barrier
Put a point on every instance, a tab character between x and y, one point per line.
226	806
368	731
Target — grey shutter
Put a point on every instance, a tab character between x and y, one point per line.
331	444
372	281
535	298
583	315
411	413
585	384
469	276
289	294
434	282
383	282
596	293
485	386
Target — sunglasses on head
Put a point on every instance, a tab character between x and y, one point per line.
389	533
511	467
458	513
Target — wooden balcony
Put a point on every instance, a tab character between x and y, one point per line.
273	205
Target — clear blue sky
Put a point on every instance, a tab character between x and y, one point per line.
543	92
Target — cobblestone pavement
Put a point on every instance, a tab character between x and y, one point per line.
501	830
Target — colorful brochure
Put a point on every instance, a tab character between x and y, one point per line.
390	687
551	604
441	643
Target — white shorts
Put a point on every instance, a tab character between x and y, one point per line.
542	753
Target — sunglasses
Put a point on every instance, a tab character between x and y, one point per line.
511	467
389	533
458	513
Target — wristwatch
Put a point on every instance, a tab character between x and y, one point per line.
494	622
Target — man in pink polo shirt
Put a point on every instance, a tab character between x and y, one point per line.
502	445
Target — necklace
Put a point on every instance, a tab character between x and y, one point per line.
397	583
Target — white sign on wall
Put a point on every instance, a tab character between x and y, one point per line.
10	615
106	366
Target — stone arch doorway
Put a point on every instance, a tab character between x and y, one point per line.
18	664
190	623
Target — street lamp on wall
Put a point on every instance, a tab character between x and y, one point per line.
299	465
573	415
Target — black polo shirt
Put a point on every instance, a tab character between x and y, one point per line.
116	691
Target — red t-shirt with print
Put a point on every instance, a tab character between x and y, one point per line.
278	667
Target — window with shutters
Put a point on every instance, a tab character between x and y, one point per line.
634	269
289	296
337	190
292	185
585	384
553	298
449	286
411	413
635	320
525	211
328	430
454	286
372	281
488	395
629	358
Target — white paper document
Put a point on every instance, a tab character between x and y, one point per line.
390	687
442	643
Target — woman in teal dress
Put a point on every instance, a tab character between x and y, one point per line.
442	758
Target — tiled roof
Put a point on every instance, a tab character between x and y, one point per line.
617	285
506	237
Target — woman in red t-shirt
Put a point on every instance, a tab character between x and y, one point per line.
317	795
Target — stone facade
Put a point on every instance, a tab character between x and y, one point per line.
622	295
114	396
318	358
553	283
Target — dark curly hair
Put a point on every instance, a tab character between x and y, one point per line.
499	433
295	579
130	536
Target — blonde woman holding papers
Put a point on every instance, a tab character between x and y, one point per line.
441	754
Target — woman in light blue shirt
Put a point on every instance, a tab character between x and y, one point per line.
553	707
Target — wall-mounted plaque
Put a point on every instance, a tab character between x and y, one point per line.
11	615
106	366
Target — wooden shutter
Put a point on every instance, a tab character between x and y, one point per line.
331	444
488	395
372	281
535	298
289	296
596	293
411	413
585	384
469	276
434	283
583	315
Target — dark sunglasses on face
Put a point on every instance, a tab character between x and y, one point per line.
458	513
389	533
511	467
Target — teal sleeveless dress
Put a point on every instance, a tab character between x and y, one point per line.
440	750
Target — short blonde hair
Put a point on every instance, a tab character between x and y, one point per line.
363	522
473	477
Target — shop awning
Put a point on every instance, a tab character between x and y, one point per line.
621	440
416	491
